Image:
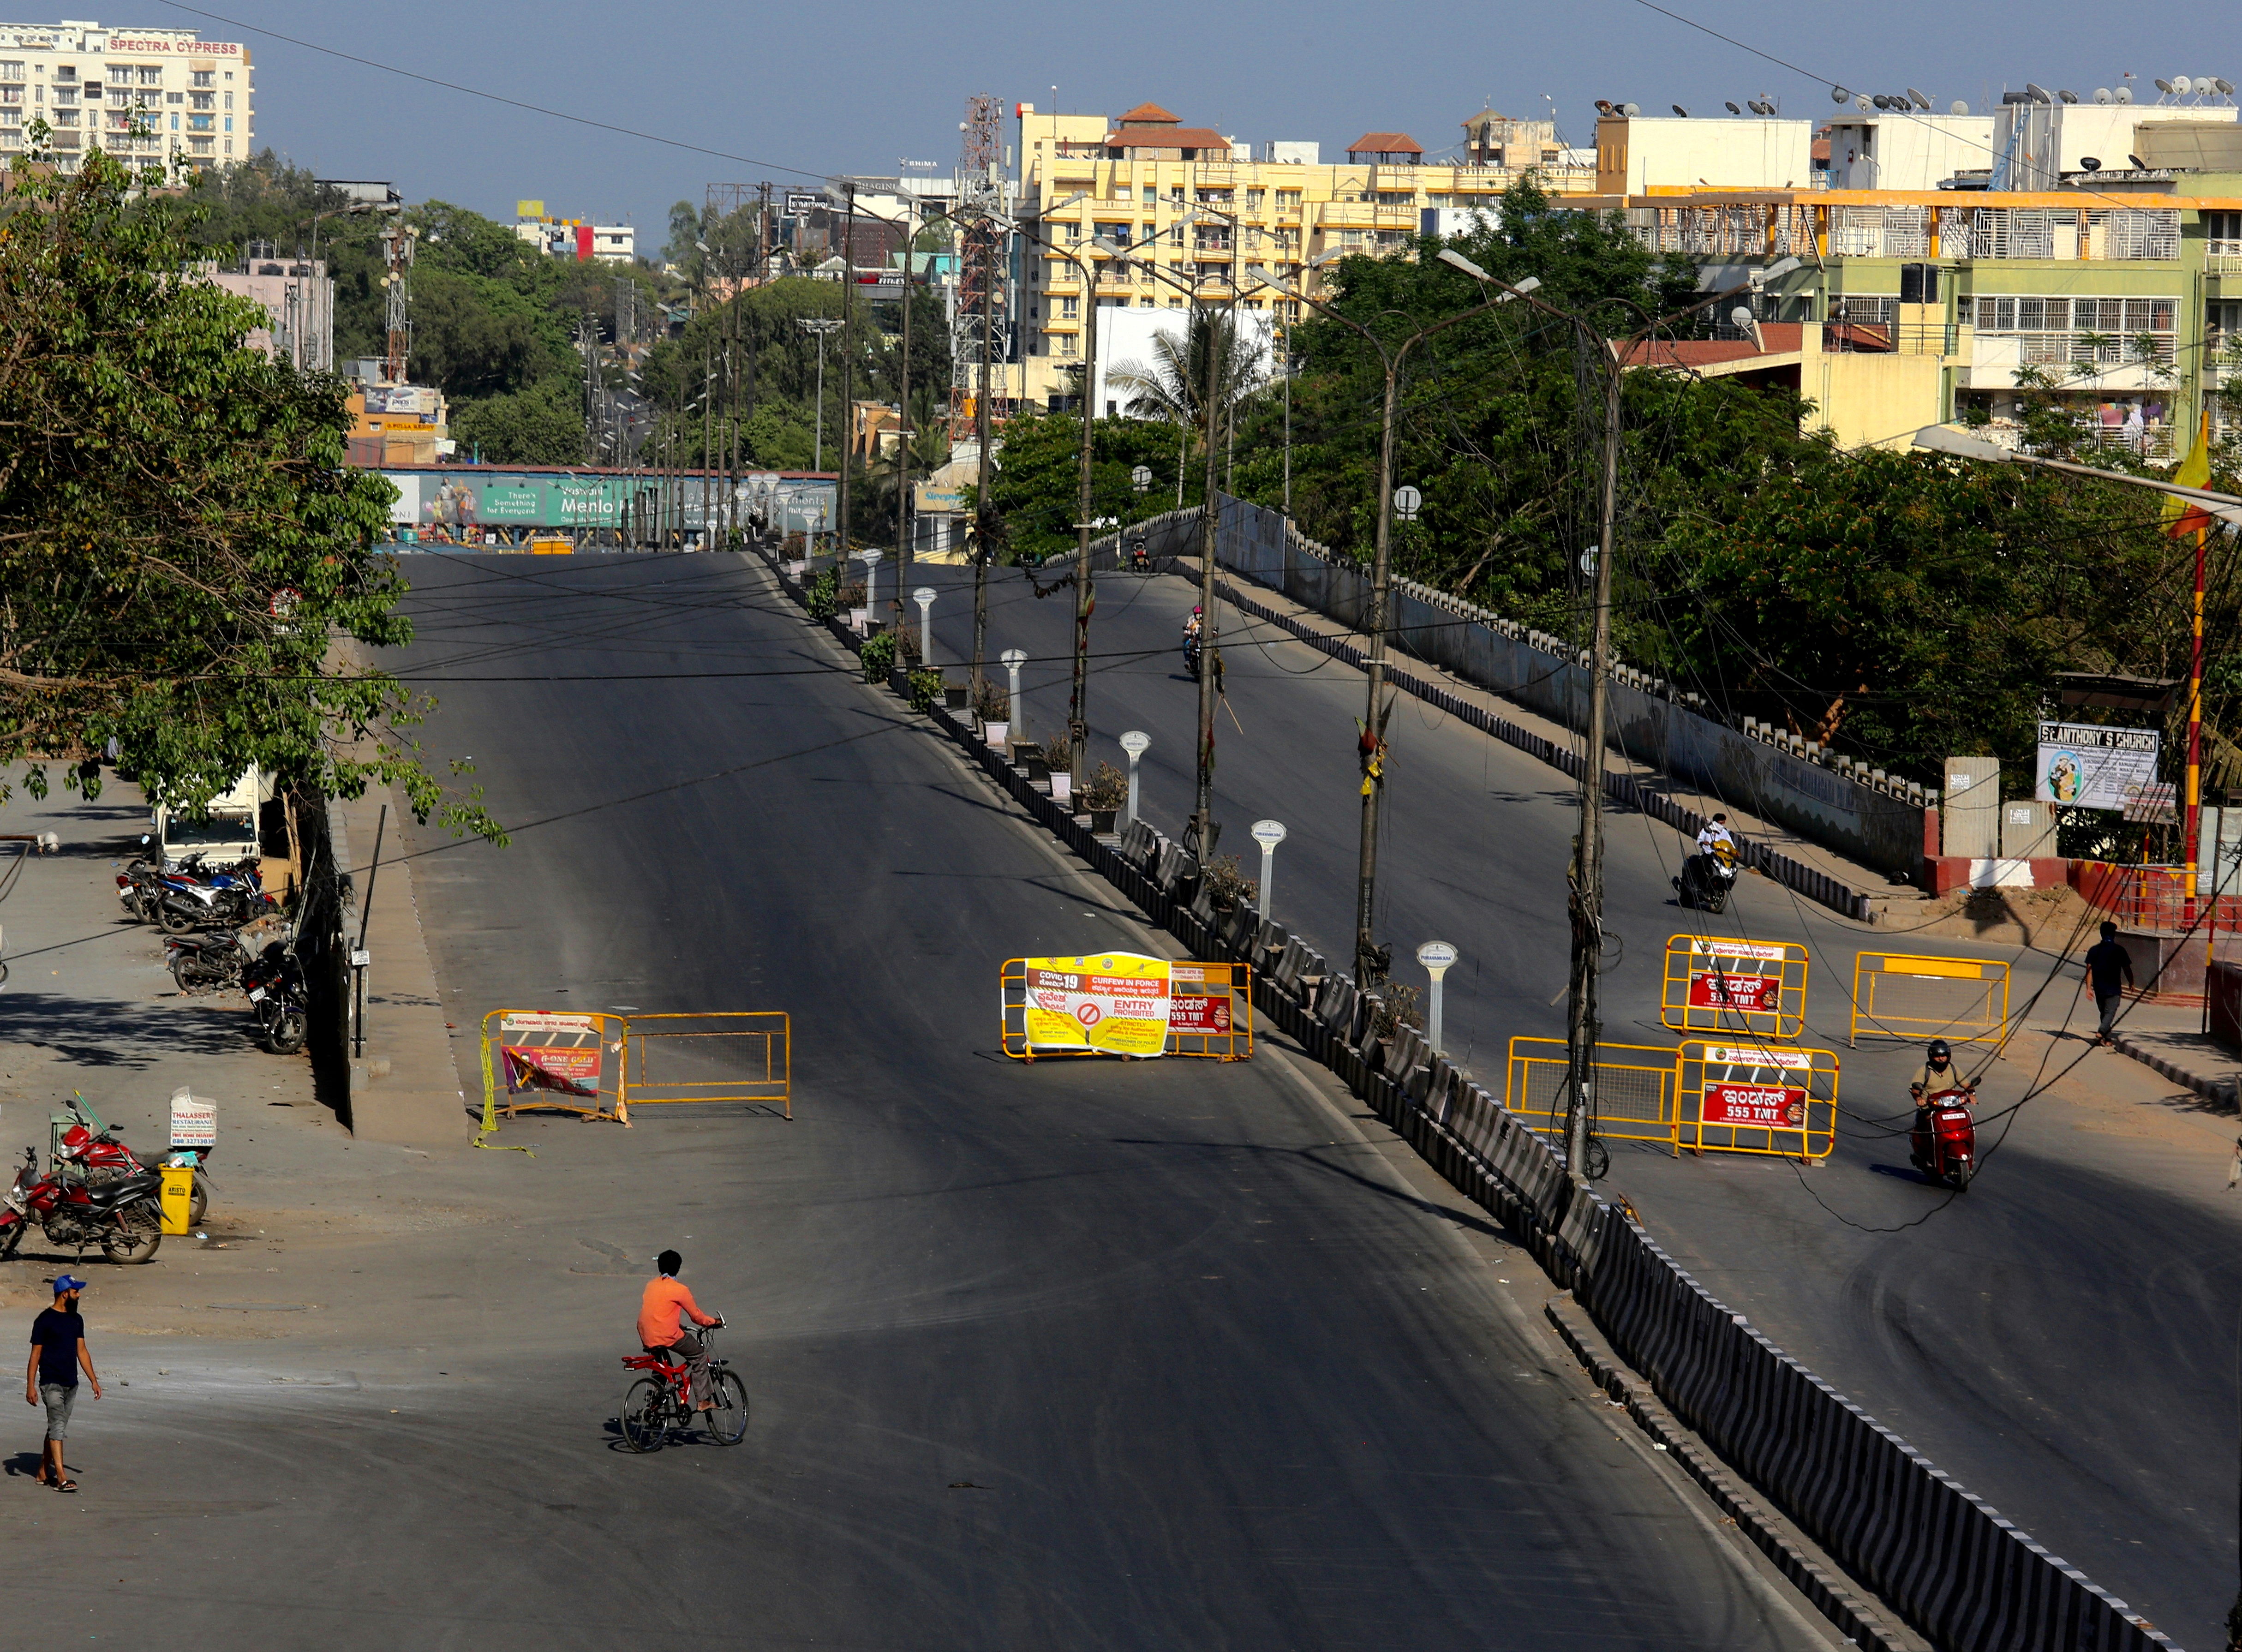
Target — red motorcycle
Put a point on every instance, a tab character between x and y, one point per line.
89	1152
1943	1143
124	1218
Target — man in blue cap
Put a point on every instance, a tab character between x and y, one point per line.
57	1350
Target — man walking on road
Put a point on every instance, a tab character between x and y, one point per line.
57	1350
2107	965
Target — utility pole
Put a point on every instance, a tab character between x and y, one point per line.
982	514
848	368
1585	897
1204	830
1085	598
903	442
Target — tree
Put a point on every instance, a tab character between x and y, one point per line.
543	425
180	542
1037	486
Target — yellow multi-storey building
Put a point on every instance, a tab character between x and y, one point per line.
1138	181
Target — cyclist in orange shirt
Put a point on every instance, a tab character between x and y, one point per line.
661	1332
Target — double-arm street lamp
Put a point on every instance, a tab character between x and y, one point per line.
1371	963
1586	896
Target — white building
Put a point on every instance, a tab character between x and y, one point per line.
1910	151
142	94
1636	154
571	237
2036	145
1125	340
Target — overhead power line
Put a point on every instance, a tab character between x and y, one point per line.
491	96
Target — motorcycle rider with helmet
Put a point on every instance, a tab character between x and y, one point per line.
1938	1073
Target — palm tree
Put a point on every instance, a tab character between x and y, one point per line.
1171	387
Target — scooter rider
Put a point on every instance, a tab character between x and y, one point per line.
1938	1073
1714	835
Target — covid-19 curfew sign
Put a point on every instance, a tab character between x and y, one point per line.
1116	1002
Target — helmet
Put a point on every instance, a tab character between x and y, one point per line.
1938	1051
1197	612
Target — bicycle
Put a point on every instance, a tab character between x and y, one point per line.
659	1405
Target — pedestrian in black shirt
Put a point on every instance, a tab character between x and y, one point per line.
57	1350
2108	967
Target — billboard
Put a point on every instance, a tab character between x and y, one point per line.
1117	1002
2088	765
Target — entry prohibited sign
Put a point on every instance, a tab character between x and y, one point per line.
1117	1002
1720	984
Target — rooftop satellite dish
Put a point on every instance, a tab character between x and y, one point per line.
2181	85
1678	110
2225	86
2101	94
2122	95
1604	106
2139	166
1921	100
2164	85
1957	107
2090	163
1862	102
2068	96
1839	95
1630	110
1732	110
1764	107
2039	94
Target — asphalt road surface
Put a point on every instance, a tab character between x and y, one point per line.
2062	1339
1151	1355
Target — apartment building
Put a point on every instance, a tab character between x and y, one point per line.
159	95
574	238
299	295
1923	306
1139	181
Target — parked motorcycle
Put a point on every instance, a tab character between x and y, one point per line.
228	899
204	962
92	1152
125	1217
1707	879
1943	1143
275	985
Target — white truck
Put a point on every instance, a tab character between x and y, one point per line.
227	833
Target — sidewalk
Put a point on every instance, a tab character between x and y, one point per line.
2169	1038
403	1086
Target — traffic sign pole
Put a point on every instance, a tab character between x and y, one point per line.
1268	834
1135	742
1436	957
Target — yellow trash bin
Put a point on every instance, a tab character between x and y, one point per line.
178	1197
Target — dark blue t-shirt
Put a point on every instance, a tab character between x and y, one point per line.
58	1332
2111	967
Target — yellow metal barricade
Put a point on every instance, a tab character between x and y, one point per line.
1210	1012
1716	984
1896	995
566	1061
1634	1089
726	1055
1749	1096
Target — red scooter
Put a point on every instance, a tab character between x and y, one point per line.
1943	1143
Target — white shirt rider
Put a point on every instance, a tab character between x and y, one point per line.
1715	833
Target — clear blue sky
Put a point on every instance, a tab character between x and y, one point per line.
830	89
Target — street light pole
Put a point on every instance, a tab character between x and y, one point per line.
1371	963
1585	895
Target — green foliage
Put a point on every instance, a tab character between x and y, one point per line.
821	596
925	689
1108	788
164	489
1036	488
877	656
542	425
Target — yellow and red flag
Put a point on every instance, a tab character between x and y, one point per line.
2184	516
